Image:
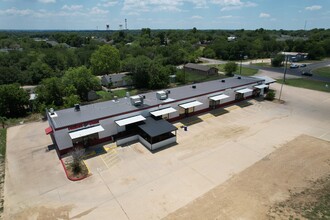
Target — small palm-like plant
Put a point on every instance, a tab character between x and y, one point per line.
77	156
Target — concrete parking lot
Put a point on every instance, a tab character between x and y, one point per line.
132	183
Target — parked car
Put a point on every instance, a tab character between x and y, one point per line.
303	65
304	73
293	66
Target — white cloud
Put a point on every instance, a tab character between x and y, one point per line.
138	6
72	7
107	3
228	5
226	17
47	1
198	3
16	12
313	7
196	17
264	15
96	10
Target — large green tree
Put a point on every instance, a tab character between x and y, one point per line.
158	77
82	79
13	100
140	67
105	60
278	60
230	68
51	91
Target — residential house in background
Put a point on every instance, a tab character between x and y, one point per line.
202	69
294	56
116	80
231	38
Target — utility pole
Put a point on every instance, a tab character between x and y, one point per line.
184	72
240	68
285	68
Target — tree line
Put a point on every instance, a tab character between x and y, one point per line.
64	64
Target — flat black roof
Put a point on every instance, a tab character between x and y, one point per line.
68	117
155	128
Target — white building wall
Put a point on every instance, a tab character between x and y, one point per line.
111	128
127	140
204	100
144	142
164	143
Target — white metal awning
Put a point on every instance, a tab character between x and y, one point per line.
190	104
218	97
163	111
262	86
130	120
86	131
243	91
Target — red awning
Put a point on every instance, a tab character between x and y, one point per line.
49	130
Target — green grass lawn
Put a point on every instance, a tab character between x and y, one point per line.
247	71
3	137
323	71
119	93
307	84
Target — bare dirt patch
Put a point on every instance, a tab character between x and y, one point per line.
43	212
311	203
255	192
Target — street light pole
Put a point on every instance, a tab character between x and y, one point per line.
285	68
184	72
240	68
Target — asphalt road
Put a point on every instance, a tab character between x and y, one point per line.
295	72
298	71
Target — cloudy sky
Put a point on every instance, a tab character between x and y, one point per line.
164	14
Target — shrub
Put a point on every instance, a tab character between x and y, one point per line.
77	156
230	68
277	60
270	95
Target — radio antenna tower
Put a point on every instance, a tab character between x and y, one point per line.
125	24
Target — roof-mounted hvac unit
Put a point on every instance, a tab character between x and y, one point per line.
162	95
137	100
51	111
193	86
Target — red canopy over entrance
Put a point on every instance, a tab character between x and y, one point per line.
49	130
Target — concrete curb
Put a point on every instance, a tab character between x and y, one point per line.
70	178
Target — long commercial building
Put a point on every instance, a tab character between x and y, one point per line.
146	117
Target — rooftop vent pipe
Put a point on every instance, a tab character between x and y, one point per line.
77	107
51	111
